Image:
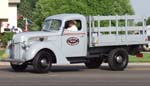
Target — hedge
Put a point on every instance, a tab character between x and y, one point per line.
4	38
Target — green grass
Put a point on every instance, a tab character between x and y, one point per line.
1	52
146	57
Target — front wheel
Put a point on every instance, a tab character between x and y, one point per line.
42	62
18	68
118	59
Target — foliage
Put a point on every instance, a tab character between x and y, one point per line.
148	21
25	9
1	52
46	8
141	23
5	37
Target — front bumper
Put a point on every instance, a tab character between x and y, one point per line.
12	60
6	58
14	53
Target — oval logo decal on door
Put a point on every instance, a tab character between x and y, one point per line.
72	41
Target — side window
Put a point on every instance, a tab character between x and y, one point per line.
79	25
73	25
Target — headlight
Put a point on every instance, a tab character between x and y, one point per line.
25	45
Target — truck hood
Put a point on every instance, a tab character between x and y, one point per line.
21	37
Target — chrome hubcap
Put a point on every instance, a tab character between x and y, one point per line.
44	62
119	59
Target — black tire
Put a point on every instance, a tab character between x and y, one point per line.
18	68
94	63
118	59
45	57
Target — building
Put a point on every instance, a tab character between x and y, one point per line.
8	14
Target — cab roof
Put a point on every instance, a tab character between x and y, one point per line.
65	16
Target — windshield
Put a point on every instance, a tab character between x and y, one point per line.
51	25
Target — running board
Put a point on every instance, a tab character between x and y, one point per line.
77	60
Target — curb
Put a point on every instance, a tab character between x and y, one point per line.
130	64
4	63
139	64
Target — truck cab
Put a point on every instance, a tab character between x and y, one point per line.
72	43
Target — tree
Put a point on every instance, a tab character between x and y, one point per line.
46	8
25	9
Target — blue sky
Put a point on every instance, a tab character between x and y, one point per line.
141	7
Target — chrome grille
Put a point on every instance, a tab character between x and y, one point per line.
16	51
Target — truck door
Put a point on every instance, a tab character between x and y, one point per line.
74	42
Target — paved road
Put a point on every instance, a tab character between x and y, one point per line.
77	75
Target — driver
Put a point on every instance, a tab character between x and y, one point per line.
72	26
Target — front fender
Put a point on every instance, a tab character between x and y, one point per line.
35	48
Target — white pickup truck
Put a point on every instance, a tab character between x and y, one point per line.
98	39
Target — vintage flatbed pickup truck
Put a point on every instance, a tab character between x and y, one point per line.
98	39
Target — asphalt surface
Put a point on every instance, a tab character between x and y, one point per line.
77	75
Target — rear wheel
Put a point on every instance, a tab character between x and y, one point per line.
18	68
118	59
42	62
94	63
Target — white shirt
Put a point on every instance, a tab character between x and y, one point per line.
72	28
